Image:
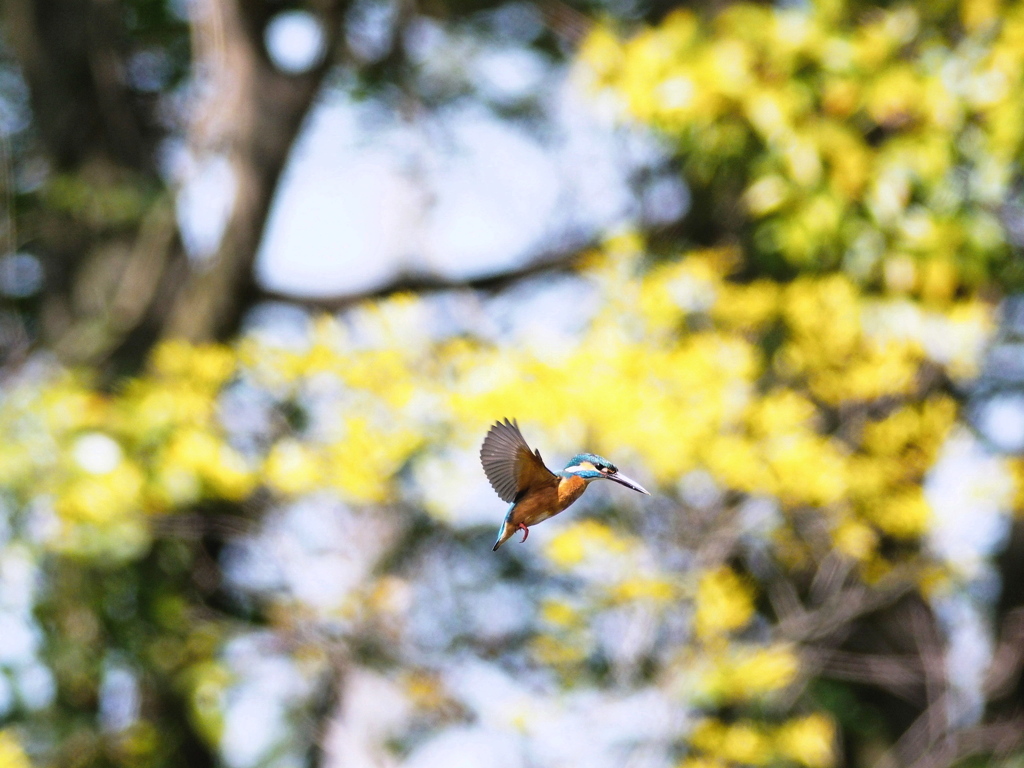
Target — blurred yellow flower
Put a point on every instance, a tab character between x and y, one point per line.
905	514
855	539
808	741
746	307
293	468
781	413
891	436
558	613
808	469
979	13
582	540
102	498
362	464
206	365
707	735
746	743
741	742
746	673
636	588
601	51
724	603
736	462
11	753
385	373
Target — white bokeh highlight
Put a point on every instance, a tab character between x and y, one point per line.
1001	420
970	492
206	197
295	41
97	453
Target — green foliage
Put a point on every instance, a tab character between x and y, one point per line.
99	206
882	142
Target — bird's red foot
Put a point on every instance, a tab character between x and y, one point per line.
525	530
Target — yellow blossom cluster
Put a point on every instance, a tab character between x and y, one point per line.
584	540
806	741
742	673
109	461
809	394
724	603
862	140
749	396
639	386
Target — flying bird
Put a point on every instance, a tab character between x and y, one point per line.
535	493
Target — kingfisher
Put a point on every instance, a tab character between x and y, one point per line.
535	493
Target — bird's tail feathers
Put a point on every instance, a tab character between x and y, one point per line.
504	534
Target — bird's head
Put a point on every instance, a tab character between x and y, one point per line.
590	466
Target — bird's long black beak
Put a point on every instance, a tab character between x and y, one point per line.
621	479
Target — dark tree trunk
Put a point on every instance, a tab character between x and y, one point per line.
116	286
267	109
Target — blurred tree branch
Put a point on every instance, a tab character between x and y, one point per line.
252	115
554	263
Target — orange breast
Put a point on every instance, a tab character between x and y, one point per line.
547	502
536	507
570	489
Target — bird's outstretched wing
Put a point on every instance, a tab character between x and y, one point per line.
511	467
